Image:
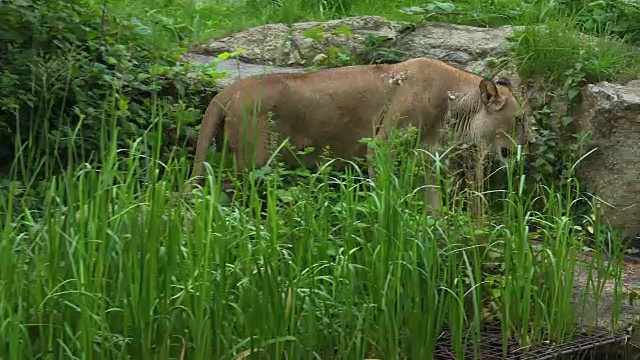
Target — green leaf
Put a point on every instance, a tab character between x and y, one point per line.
284	195
571	93
314	34
412	10
224	56
342	30
122	104
448	7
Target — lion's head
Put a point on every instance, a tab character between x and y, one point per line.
492	117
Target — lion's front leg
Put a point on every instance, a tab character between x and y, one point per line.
433	197
477	208
381	133
370	162
430	184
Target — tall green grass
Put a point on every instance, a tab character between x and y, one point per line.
207	17
560	55
111	264
200	20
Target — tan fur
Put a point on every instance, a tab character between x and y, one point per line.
337	107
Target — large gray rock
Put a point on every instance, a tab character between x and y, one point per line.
283	48
237	69
611	113
455	44
282	45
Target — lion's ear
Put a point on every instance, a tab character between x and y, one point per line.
491	98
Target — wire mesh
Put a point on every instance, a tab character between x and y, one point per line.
490	346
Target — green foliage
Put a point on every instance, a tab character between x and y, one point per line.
474	13
111	267
334	56
562	56
60	60
561	60
619	18
289	11
178	21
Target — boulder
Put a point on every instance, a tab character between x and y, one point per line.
237	69
289	48
455	44
299	44
611	114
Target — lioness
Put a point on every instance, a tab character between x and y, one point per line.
337	107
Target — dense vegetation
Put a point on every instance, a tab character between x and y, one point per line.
96	135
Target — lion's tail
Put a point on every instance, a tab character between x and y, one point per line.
211	123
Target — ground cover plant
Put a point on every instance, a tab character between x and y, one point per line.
101	259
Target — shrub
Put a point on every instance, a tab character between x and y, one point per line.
60	60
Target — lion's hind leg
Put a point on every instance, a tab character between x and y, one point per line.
248	144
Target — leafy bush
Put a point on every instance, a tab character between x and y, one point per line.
60	60
565	60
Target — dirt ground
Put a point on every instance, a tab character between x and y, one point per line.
629	292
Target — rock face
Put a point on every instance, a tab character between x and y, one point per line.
455	44
297	45
238	69
611	113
